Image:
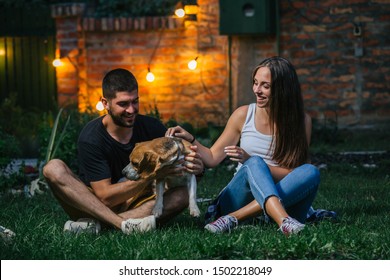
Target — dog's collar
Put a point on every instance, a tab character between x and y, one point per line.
178	155
177	141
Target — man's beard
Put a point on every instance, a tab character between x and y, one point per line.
119	121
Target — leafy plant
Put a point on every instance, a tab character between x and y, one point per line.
50	152
134	8
107	8
61	143
21	124
153	112
9	148
66	148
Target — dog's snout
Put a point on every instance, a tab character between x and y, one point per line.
130	173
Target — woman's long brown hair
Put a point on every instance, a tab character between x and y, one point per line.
287	117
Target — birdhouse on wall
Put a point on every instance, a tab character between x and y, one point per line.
247	17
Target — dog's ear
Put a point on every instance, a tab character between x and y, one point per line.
136	144
165	148
148	164
184	146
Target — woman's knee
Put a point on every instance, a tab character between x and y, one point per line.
255	161
312	173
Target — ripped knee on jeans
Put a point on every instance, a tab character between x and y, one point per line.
265	202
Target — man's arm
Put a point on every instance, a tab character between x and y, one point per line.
114	194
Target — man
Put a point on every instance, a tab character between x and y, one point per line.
104	146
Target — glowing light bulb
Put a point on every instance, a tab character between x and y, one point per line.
193	64
180	13
100	106
150	77
57	62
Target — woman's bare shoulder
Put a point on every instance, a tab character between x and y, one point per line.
238	117
241	111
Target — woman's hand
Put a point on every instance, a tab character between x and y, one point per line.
236	154
180	132
193	162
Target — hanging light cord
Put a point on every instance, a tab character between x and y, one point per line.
156	47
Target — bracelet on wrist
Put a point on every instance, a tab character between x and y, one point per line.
193	140
201	174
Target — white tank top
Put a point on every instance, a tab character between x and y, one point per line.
254	142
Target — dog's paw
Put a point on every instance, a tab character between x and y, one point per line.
194	211
157	211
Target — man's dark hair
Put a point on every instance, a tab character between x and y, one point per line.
118	80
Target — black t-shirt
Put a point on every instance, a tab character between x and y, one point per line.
102	157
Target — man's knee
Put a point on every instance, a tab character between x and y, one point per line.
53	169
179	196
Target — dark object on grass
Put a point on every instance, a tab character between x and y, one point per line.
319	215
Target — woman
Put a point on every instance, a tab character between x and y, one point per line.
273	175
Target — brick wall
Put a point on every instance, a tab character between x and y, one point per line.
343	75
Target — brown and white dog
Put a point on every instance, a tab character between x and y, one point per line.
150	156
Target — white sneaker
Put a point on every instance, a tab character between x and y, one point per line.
6	234
139	225
291	226
222	224
83	225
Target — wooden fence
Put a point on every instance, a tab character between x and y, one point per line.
27	49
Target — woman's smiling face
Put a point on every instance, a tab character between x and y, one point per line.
262	86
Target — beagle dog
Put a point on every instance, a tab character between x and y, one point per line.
149	156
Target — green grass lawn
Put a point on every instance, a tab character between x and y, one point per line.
359	195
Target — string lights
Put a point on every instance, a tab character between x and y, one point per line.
180	12
149	76
100	106
57	62
187	9
193	64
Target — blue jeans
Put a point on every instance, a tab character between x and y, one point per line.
253	180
